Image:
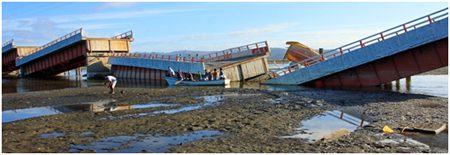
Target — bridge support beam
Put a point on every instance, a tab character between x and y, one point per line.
97	65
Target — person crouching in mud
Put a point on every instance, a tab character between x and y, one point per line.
112	83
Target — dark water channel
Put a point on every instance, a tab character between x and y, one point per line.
19	114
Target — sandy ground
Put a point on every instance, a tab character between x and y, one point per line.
251	123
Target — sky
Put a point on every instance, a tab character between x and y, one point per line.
208	26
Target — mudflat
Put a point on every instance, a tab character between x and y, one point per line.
241	120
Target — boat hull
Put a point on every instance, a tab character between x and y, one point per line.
298	52
171	81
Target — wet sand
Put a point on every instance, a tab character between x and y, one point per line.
249	123
248	120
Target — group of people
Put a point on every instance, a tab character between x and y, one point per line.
206	76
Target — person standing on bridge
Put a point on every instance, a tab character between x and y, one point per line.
112	82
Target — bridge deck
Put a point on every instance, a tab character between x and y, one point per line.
237	66
334	65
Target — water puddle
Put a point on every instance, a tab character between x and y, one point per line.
48	135
56	134
140	142
19	114
329	122
209	101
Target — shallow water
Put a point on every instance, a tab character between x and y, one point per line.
209	101
326	123
435	85
140	142
19	114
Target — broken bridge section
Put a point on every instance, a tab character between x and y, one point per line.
73	51
9	54
414	47
238	63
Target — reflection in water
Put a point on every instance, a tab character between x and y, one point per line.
140	142
19	85
103	105
19	114
209	101
327	123
435	85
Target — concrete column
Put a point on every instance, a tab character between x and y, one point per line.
97	65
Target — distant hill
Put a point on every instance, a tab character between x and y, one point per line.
277	53
184	53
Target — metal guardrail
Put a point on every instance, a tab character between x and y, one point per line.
126	35
9	42
226	54
51	43
378	37
155	57
197	59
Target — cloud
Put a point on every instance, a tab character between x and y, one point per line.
113	15
264	30
25	36
43	24
32	32
114	5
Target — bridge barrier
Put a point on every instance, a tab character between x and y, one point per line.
126	35
8	45
48	48
362	51
157	64
378	43
236	52
250	49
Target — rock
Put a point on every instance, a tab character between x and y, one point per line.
196	128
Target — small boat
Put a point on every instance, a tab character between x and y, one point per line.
173	80
298	52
